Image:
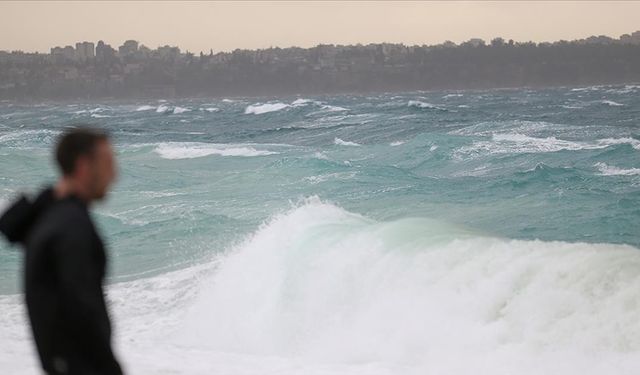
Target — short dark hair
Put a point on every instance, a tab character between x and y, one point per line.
75	143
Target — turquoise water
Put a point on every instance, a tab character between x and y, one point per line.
558	164
371	203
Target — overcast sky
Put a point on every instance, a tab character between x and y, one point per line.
224	26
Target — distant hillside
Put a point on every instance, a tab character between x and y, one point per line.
136	71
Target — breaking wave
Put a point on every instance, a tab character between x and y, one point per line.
340	142
607	170
191	150
258	109
328	284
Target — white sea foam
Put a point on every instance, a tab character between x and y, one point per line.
94	110
529	128
607	170
590	88
301	101
145	108
96	115
162	109
325	284
520	143
423	105
225	100
333	108
611	103
396	143
330	176
210	109
627	89
178	110
190	150
620	141
28	138
340	142
320	155
258	109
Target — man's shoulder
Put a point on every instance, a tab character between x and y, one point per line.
66	215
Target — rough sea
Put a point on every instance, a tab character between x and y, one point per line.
467	232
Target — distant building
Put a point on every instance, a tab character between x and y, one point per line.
143	52
600	39
104	52
634	38
85	51
129	48
63	53
167	53
474	42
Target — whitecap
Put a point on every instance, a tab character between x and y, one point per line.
145	108
340	142
333	108
178	110
94	110
301	101
396	143
423	105
606	170
620	141
611	103
258	108
590	88
210	109
162	109
191	150
320	155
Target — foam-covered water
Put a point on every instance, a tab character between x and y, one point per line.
444	232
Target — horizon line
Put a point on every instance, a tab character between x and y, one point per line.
325	44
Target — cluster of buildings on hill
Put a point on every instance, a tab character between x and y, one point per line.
91	70
130	50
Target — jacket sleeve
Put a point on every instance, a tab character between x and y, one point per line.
82	297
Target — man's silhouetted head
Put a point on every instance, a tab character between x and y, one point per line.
86	160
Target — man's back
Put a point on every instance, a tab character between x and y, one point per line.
64	270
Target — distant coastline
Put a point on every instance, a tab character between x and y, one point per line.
99	71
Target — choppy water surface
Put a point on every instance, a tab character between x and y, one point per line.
397	233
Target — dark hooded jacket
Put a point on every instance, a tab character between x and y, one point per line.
65	266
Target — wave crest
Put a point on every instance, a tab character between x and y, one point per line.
322	282
191	150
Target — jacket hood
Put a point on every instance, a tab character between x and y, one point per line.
18	219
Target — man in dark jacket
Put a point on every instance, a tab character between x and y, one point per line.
65	259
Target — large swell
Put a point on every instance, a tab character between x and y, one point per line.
335	286
417	233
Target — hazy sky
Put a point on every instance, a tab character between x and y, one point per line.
196	26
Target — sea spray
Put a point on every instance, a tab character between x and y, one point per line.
323	283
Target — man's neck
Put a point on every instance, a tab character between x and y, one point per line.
67	187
